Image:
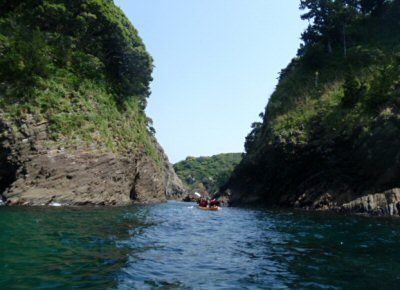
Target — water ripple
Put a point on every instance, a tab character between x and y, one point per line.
177	246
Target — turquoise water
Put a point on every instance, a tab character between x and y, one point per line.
177	246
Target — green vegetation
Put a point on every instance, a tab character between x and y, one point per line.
81	66
207	173
336	109
346	74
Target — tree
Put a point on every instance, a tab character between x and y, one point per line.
330	19
252	136
372	6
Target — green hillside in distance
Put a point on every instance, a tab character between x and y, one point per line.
331	130
207	174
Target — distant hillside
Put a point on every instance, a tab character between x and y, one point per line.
331	130
207	174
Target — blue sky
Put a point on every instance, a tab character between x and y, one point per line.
216	64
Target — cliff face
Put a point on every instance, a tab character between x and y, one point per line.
74	83
330	133
175	188
324	174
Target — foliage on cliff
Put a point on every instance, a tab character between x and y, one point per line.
81	66
335	115
207	173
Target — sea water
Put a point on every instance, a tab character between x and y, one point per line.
177	246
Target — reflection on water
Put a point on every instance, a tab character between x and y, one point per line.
176	246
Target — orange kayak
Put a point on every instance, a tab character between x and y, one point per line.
209	208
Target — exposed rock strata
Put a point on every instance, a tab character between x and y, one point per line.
175	188
386	203
34	171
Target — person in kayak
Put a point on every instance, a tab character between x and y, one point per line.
203	203
213	203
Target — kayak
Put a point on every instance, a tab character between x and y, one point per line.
208	208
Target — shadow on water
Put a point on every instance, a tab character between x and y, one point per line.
177	246
330	251
63	248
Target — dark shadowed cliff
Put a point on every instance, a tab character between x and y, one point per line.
330	135
74	82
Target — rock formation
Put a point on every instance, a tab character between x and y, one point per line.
35	171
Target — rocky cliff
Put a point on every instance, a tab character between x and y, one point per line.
74	80
36	172
329	138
